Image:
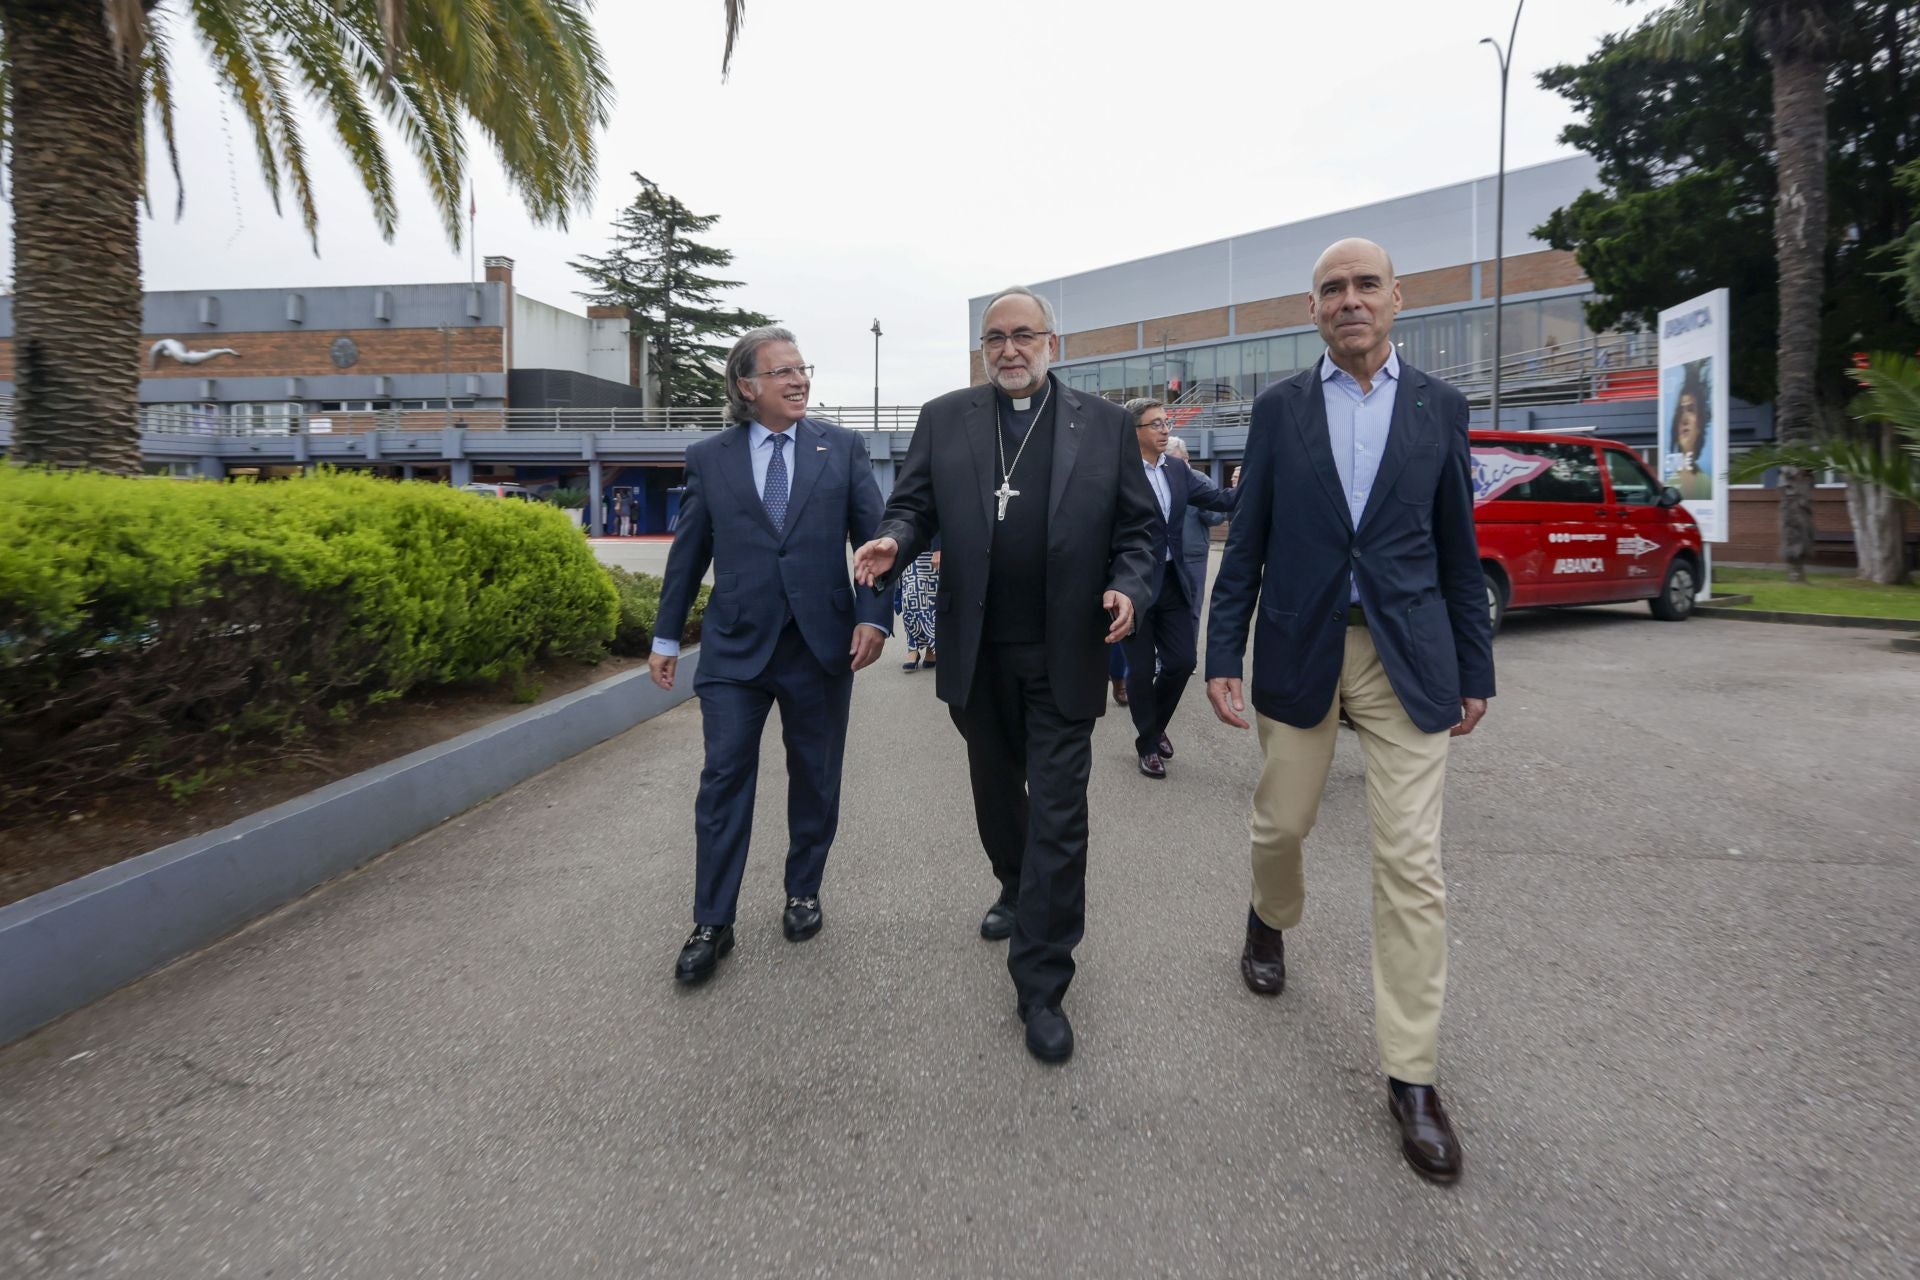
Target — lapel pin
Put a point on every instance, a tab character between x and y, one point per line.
819	448
1419	404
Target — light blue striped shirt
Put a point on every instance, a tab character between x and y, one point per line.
1357	429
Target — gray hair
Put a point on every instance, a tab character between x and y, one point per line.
1138	406
740	361
1176	445
1021	291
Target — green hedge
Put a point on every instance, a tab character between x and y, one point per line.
640	605
148	626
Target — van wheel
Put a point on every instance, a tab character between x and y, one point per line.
1675	601
1496	591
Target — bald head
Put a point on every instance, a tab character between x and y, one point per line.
1352	249
1353	303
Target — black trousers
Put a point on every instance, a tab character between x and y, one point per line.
1166	631
1029	766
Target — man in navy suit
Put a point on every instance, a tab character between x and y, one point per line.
1354	538
1196	542
1160	652
772	504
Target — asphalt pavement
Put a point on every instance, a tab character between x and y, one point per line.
1680	1036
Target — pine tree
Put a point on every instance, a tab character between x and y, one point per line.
655	269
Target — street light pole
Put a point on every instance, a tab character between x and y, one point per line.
1500	211
876	374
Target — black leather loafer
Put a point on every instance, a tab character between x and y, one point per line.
802	919
702	953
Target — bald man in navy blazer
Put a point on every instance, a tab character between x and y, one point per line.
1352	556
772	504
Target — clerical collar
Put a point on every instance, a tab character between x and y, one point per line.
1020	404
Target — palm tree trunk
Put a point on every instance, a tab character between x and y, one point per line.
76	188
1800	242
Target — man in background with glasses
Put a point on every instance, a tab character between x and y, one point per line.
1046	520
772	504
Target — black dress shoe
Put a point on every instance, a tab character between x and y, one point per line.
1166	747
1152	765
802	919
1049	1034
1120	692
1427	1138
1263	962
701	955
997	924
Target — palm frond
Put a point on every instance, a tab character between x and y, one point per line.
1856	459
157	81
1892	396
127	23
1690	28
736	18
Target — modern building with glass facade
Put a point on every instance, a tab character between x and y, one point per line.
1221	320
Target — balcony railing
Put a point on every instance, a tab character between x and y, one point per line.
186	420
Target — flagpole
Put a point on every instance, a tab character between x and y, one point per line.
473	249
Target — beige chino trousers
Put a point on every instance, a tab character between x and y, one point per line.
1406	776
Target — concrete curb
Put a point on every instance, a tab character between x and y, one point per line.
1806	619
74	943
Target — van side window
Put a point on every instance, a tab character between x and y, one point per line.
1631	483
1573	477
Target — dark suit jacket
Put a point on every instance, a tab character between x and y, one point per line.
760	577
1293	545
1185	488
1100	518
1194	544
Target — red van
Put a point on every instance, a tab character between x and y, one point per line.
1568	519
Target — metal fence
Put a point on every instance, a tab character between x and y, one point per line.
199	420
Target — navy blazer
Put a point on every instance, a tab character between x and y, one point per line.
1185	487
1413	555
761	577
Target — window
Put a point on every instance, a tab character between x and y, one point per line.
1562	323
1631	483
273	418
1573	476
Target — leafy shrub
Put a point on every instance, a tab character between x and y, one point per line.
640	606
148	627
568	499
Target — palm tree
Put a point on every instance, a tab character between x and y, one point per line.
1798	37
76	79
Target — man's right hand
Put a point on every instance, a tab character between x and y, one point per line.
874	560
661	668
1225	695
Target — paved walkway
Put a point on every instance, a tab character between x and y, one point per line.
1680	1040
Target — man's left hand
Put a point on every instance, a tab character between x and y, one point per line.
1119	607
868	641
1471	709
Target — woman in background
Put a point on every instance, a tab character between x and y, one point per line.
919	586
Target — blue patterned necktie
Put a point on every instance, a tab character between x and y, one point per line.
776	492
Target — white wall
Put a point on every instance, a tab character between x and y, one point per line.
545	337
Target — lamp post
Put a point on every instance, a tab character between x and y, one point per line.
876	374
1500	210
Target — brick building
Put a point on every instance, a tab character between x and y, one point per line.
237	361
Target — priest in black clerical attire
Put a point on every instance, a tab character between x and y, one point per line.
1046	523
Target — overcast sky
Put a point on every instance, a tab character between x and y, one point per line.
890	159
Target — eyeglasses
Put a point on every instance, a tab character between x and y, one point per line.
1025	339
786	372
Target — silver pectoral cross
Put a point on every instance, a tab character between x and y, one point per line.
1004	492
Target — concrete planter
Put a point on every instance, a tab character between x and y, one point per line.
74	943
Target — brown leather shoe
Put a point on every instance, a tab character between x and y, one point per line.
1120	692
1427	1138
1264	961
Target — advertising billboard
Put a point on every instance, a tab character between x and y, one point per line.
1693	426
